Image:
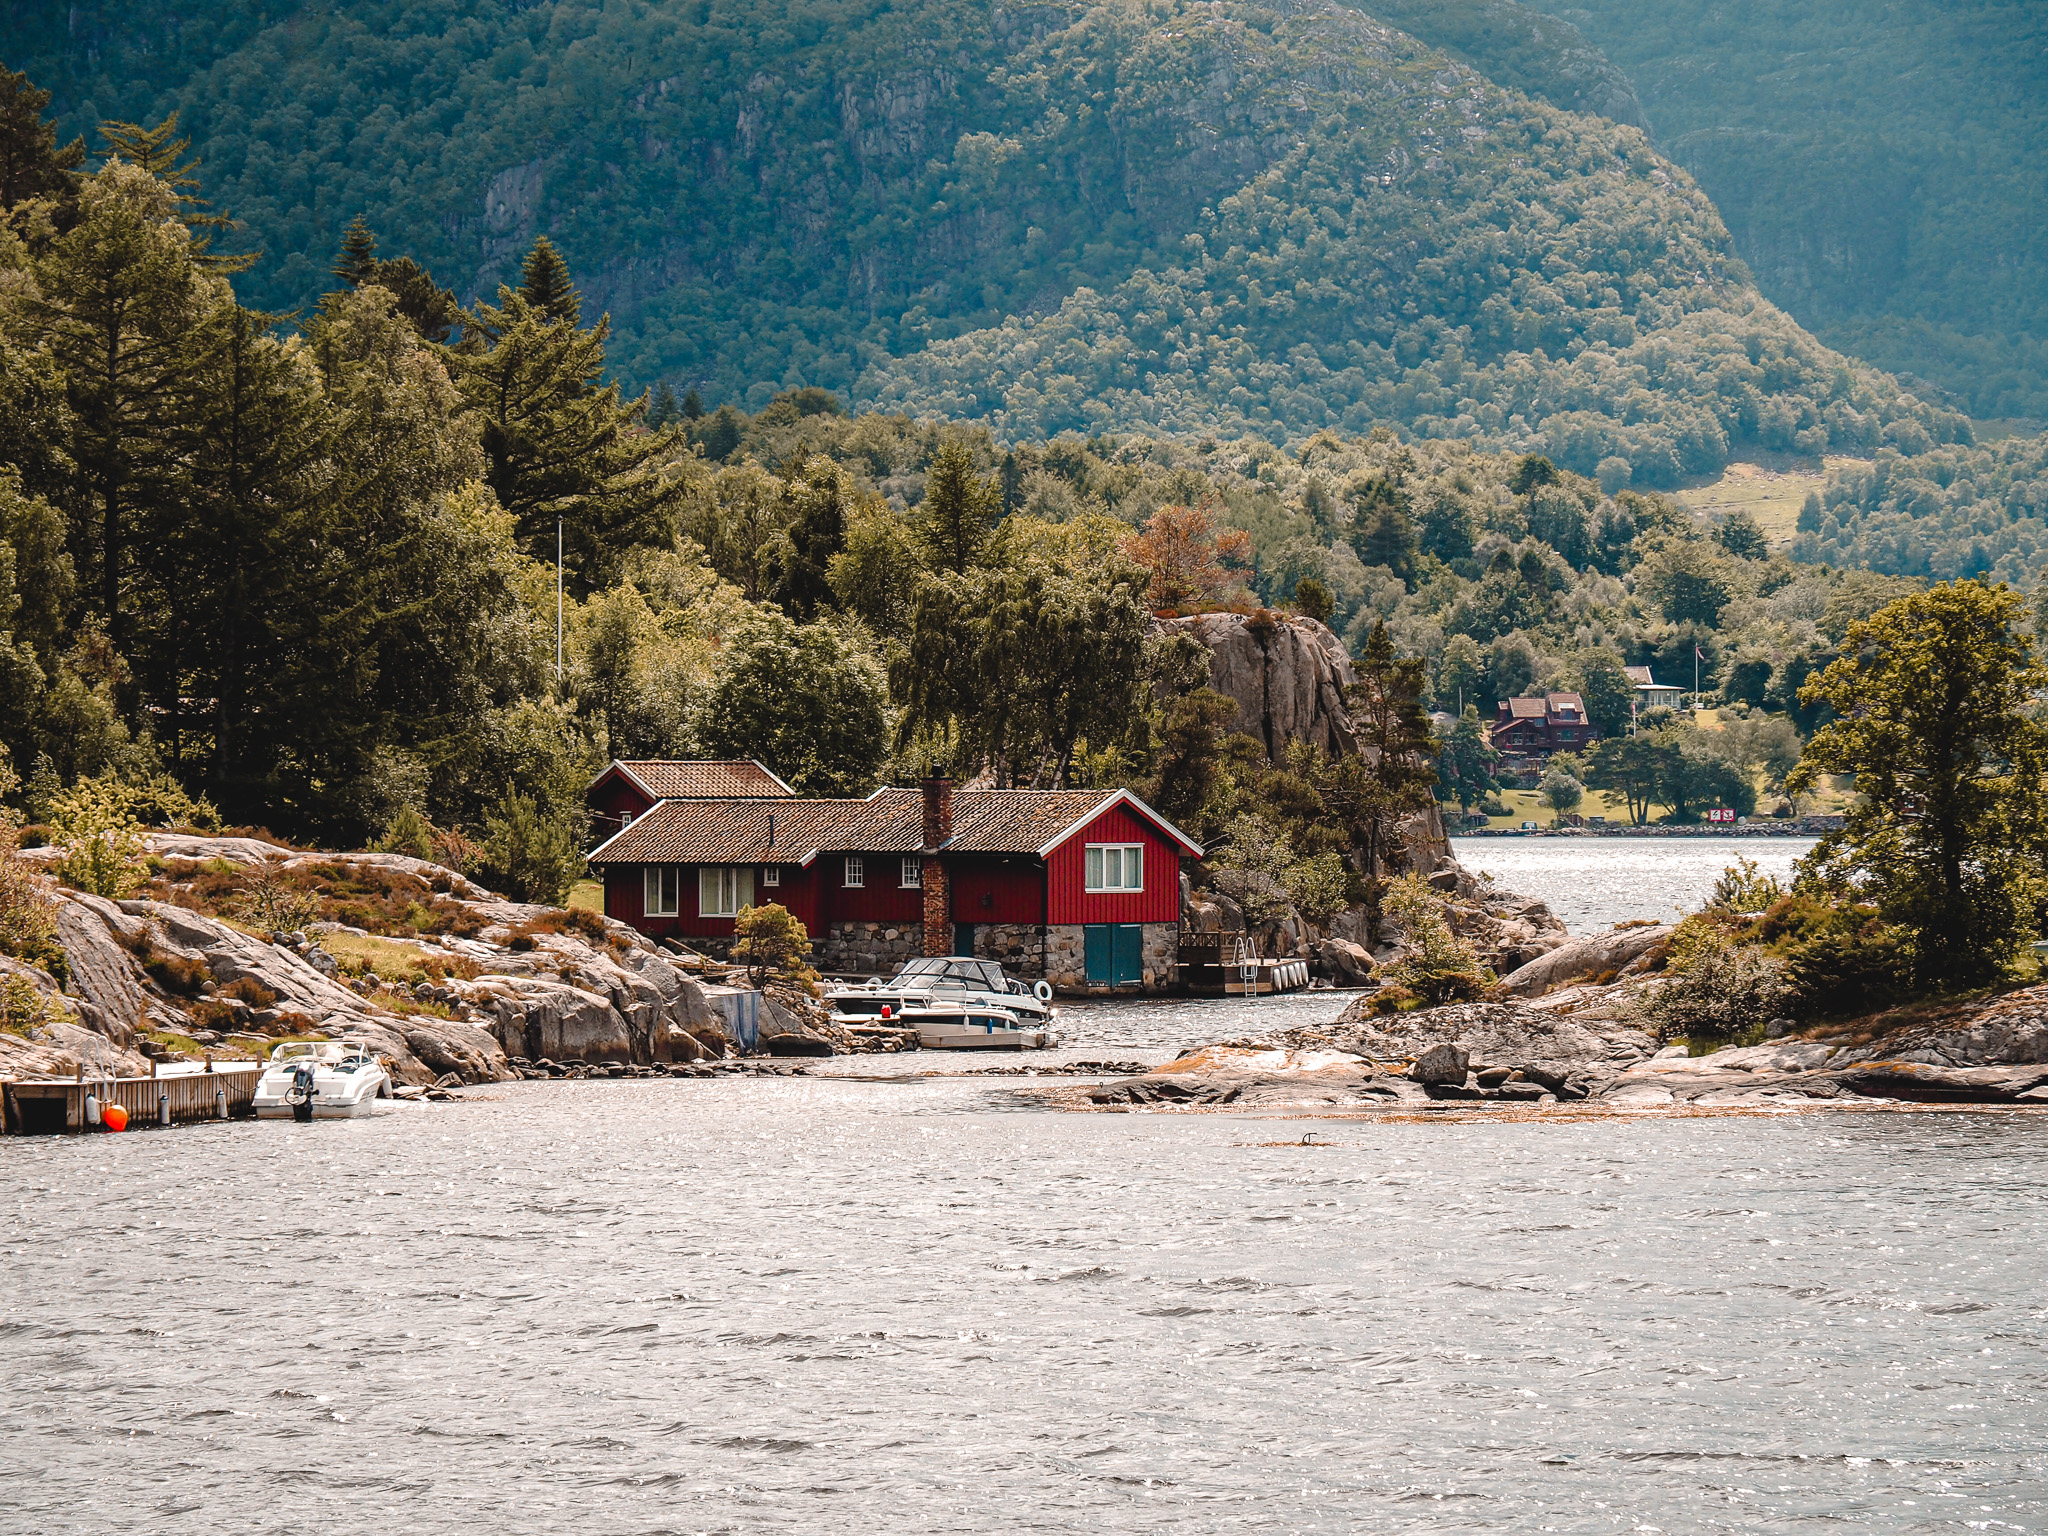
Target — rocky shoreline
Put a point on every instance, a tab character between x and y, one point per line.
503	989
1575	1045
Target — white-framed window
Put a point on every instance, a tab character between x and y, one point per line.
625	820
662	890
1116	867
856	872
913	872
772	875
721	892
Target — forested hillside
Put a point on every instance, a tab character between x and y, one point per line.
1185	217
1883	167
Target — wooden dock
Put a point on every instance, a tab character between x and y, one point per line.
45	1106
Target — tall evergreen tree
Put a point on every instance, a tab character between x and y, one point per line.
959	512
432	309
815	495
693	405
662	411
544	283
357	262
557	446
134	321
157	150
32	163
1384	528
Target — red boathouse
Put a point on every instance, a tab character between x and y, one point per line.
1079	886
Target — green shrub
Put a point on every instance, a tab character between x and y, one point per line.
530	856
1742	888
95	821
770	942
1717	991
1444	967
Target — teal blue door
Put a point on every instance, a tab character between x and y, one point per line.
1114	953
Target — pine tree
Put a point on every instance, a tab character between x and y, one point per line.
544	283
959	512
133	319
357	262
693	405
157	151
1385	529
31	162
557	446
663	411
815	495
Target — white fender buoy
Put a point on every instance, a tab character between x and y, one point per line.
92	1109
220	1104
1042	990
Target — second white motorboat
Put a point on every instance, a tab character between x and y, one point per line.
321	1079
954	1002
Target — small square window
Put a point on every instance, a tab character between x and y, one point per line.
771	876
913	872
1115	867
856	873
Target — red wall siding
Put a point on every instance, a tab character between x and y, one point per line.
625	895
881	900
614	794
1067	900
998	890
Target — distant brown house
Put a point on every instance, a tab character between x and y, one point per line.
1542	724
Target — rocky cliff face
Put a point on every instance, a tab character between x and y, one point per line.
1288	676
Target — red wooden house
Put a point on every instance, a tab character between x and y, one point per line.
1079	886
626	791
1541	724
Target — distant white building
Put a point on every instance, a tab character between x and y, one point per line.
1650	693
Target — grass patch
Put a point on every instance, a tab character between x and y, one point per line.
378	900
391	960
587	896
1770	487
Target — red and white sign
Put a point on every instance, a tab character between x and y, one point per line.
1720	813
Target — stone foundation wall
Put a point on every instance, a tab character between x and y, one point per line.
1066	957
1018	948
873	949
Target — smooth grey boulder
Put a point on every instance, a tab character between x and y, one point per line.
103	973
1444	1065
1595	955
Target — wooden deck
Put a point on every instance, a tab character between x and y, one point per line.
42	1106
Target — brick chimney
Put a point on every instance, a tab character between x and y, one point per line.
937	790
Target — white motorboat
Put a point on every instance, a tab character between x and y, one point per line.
954	1002
324	1079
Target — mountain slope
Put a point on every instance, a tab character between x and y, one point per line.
1191	216
1883	167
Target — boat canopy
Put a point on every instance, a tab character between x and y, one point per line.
955	971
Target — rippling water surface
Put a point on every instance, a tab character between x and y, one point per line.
1595	882
929	1304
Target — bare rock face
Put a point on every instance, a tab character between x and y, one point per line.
1596	954
1287	675
1570	1057
102	972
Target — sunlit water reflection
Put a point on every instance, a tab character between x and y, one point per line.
934	1305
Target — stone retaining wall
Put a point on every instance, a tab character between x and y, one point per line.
874	949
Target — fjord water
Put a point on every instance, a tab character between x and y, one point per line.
935	1305
1595	882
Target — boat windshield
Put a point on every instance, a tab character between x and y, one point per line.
955	971
307	1050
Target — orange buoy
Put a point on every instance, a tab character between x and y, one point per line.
114	1118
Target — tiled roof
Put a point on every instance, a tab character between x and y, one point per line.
888	821
731	778
1017	820
1560	702
1525	709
